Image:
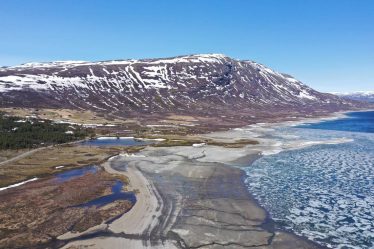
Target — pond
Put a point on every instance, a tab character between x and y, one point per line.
75	173
117	193
117	141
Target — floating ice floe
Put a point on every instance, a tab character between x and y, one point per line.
198	145
320	186
131	155
104	138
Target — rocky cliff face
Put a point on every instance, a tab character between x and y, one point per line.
206	84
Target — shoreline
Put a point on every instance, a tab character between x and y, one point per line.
269	221
181	237
131	238
330	243
158	220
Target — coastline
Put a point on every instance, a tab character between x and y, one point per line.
334	159
192	197
167	230
242	213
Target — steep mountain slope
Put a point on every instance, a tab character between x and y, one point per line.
206	84
366	96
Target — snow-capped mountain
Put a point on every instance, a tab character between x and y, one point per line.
206	84
366	96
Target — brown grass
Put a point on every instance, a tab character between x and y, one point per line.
44	162
75	116
35	214
8	154
177	140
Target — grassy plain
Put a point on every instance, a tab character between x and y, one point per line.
44	162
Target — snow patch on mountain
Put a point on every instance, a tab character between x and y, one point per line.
367	96
360	93
199	82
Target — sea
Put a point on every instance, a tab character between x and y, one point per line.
324	191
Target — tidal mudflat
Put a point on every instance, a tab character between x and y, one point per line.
194	195
190	197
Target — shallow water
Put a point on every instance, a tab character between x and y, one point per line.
324	192
117	193
75	173
113	141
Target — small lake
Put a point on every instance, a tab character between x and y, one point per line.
117	141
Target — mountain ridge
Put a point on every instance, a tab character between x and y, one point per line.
364	96
204	84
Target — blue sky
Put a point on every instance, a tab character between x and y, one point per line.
328	44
